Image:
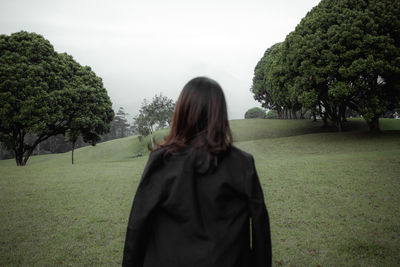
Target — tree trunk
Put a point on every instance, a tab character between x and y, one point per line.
72	152
151	137
28	155
301	114
19	153
22	151
344	119
338	121
374	124
339	125
342	113
18	157
321	114
325	119
314	116
53	144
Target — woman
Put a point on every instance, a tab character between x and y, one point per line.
198	192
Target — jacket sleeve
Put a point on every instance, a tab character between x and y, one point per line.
261	240
148	195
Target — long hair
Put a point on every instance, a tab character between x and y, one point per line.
200	121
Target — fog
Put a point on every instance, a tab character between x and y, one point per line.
142	48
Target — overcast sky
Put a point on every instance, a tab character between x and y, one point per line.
143	48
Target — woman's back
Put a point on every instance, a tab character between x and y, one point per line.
197	193
202	220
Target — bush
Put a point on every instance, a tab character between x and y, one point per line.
255	113
272	114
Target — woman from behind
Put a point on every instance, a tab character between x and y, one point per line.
199	195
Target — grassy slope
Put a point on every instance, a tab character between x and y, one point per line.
333	198
51	211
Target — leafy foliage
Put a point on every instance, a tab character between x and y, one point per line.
44	93
343	55
271	114
154	115
263	88
255	112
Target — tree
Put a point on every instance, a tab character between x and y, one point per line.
120	127
43	94
154	115
87	108
273	83
120	124
255	112
262	87
343	54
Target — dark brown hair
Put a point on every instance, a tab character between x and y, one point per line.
200	120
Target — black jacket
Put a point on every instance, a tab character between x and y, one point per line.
181	218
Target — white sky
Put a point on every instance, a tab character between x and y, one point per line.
142	48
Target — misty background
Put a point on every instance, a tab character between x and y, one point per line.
143	48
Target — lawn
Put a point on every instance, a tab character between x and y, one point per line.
333	198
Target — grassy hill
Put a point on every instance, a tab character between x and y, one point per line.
333	198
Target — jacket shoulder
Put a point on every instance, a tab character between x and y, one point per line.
241	159
154	163
240	154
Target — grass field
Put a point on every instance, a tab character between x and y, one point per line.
333	198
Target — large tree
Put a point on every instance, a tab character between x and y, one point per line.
44	93
86	107
343	54
349	50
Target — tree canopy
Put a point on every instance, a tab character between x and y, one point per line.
344	54
45	93
154	115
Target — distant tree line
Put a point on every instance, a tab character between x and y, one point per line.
153	115
120	126
342	58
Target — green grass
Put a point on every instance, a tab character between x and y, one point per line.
333	198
